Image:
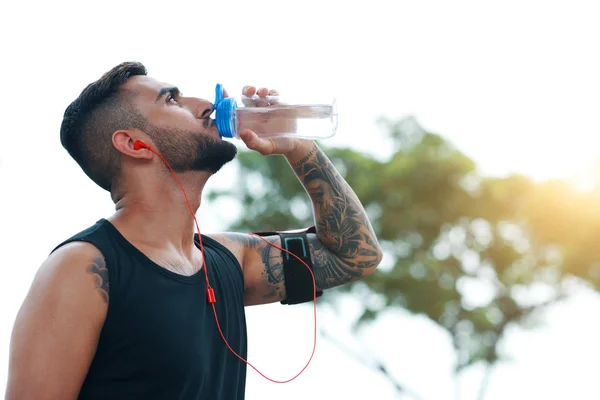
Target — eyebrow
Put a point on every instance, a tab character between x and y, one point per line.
173	90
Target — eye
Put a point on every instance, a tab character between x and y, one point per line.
170	98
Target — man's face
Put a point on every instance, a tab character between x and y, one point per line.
181	126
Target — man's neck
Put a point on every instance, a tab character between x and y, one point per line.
156	214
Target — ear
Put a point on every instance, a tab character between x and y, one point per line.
123	141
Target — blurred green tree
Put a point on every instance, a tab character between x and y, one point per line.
445	229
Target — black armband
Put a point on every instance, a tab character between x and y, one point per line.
297	279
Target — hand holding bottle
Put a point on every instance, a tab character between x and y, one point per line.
270	126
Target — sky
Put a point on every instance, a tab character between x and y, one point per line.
513	84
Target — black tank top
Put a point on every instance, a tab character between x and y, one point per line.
159	339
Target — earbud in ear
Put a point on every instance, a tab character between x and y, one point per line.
137	145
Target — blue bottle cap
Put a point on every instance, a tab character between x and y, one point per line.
225	116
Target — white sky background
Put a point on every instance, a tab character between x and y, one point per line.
514	84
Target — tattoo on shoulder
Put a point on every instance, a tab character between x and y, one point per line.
100	272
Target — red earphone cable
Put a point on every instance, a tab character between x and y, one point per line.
210	291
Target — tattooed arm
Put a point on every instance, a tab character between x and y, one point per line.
56	331
262	265
344	248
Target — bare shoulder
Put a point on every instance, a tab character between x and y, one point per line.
77	264
56	331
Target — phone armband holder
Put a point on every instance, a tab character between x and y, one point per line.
297	279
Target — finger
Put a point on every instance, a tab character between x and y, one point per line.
273	97
262	100
225	94
253	142
263	92
248	91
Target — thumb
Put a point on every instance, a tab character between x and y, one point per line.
253	142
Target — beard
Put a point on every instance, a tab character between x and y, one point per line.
191	150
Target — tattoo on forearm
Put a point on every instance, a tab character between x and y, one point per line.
100	272
347	245
304	159
329	270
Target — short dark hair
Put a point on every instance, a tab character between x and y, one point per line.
102	108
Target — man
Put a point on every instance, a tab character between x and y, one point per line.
120	309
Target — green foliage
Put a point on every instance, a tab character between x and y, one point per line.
445	229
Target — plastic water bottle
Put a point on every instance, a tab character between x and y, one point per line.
306	121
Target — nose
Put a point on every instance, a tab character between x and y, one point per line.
201	108
205	110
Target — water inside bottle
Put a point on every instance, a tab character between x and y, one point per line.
315	121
